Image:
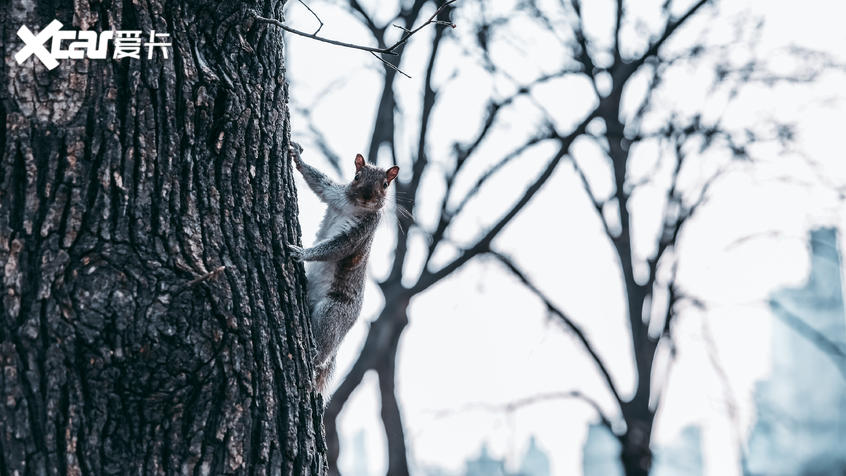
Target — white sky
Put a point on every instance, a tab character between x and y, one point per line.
479	337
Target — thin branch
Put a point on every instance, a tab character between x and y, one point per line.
205	277
477	186
665	336
597	205
420	160
463	152
514	405
315	16
446	216
390	65
672	225
728	393
581	54
390	50
319	137
371	25
617	26
428	278
669	28
324	147
568	322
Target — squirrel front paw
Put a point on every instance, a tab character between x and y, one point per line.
295	150
297	252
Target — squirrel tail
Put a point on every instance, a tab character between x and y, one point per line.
323	374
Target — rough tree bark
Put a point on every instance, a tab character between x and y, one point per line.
151	319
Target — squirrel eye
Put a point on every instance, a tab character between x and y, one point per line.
357	176
384	184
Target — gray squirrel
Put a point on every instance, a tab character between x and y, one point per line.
338	260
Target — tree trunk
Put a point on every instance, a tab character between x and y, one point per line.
152	321
636	454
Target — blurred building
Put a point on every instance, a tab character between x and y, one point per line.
682	457
601	453
801	406
535	462
484	465
360	458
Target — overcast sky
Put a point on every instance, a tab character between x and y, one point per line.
479	337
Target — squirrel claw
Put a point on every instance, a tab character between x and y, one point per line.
296	252
296	149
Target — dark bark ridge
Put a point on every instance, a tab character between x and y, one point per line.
152	321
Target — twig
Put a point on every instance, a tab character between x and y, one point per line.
315	16
728	393
199	279
429	277
211	274
390	50
568	322
514	405
391	65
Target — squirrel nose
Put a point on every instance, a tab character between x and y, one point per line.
367	194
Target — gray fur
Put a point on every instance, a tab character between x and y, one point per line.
337	263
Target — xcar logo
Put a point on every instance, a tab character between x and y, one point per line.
85	44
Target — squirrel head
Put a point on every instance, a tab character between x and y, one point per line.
368	188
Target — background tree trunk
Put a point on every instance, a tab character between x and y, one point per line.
151	319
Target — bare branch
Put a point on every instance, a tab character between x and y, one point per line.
315	16
676	214
368	20
390	65
320	140
205	277
669	28
581	52
597	205
568	322
477	186
463	152
319	137
421	161
427	278
618	23
390	50
513	406
728	393
391	418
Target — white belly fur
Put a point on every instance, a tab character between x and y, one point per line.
321	273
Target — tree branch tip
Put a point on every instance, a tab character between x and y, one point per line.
391	65
211	274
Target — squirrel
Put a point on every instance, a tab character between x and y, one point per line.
337	262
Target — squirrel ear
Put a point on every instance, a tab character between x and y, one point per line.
392	173
359	162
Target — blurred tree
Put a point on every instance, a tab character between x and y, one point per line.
380	348
625	67
151	320
697	145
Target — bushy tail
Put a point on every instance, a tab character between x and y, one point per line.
322	376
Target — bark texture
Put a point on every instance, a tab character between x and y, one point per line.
152	322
